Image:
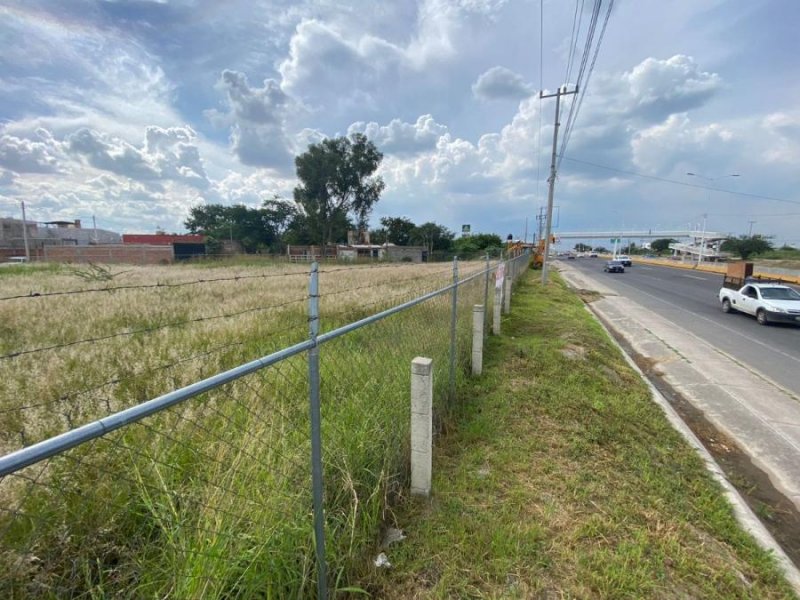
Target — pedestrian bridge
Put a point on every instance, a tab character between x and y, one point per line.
691	242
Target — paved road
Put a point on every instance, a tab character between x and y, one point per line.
689	299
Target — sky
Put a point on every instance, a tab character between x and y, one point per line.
134	111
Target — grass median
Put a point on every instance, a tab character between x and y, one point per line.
562	479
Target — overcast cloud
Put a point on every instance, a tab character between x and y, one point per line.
134	111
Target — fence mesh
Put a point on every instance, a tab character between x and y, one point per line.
211	497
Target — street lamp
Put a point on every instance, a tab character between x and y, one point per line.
705	215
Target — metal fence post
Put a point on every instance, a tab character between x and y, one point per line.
486	296
453	319
316	432
477	339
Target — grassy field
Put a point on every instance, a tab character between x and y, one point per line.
209	498
560	478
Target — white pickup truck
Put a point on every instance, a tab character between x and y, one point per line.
767	302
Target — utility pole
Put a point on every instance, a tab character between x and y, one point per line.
526	230
25	233
750	232
562	91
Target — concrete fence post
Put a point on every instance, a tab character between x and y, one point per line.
507	295
421	425
498	305
478	312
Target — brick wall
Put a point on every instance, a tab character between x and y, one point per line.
132	254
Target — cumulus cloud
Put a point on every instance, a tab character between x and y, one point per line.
659	88
111	154
257	117
500	83
402	138
167	154
23	155
658	148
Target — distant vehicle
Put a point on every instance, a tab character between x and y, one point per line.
767	302
614	266
592	254
17	259
571	256
624	259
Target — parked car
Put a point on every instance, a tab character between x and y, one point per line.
614	266
624	259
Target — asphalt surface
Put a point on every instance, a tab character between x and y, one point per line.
690	300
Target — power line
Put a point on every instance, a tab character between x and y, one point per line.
541	85
676	182
570	125
573	42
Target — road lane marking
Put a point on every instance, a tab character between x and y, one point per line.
749	339
693	277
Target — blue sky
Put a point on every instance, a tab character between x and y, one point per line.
135	111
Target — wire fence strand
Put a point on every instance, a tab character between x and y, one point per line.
211	497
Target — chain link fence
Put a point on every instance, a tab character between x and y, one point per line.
268	479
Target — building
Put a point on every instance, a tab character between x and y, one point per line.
48	234
183	246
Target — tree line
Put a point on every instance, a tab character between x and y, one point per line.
336	193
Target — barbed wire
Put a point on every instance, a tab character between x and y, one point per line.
384	283
149	286
136	375
177	284
149	329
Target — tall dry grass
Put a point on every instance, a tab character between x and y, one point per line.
210	498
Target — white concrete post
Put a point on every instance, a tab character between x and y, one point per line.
507	295
477	339
498	303
421	425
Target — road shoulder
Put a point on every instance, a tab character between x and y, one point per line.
743	411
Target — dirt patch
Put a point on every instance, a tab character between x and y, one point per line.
574	352
589	296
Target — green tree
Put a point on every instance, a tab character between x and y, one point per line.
377	236
476	243
582	247
661	245
433	236
336	179
398	230
747	245
254	228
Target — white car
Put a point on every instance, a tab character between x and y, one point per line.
625	259
767	302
